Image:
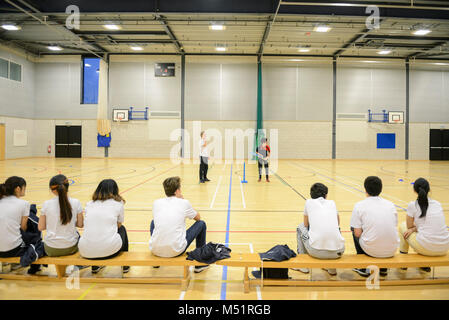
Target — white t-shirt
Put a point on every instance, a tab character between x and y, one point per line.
169	234
378	219
60	236
203	148
100	237
323	231
432	230
12	209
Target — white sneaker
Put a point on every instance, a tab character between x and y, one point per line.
303	270
331	271
16	266
198	269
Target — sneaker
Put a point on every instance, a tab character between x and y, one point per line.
156	267
15	266
383	272
34	268
403	269
425	269
259	180
202	181
332	272
198	269
268	180
96	269
206	180
125	269
303	270
361	271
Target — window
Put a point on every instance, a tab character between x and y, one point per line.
15	71
91	74
4	68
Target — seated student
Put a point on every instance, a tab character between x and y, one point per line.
425	227
104	234
373	223
319	235
14	214
169	237
60	216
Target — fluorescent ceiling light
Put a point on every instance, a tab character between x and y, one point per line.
369	61
421	32
441	64
11	27
112	26
220	49
322	28
303	50
136	48
384	52
217	27
54	48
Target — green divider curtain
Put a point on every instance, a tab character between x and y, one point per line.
259	130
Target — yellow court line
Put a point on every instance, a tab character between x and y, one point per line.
81	297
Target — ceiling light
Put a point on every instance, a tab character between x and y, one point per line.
421	32
112	26
217	27
221	49
384	51
441	64
303	50
322	28
54	48
11	27
136	48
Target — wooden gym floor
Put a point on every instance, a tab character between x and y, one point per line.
252	217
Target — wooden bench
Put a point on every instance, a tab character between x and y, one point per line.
143	259
348	261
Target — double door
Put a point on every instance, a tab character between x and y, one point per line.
68	142
439	144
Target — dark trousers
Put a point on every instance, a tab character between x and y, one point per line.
358	247
122	232
196	231
16	252
204	166
259	165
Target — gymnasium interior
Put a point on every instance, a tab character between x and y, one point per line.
341	90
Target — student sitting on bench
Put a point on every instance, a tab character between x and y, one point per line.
319	235
425	226
104	234
374	223
169	237
60	216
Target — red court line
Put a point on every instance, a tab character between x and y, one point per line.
143	182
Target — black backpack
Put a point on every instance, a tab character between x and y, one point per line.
272	273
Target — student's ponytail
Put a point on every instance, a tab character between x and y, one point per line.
9	187
60	184
422	188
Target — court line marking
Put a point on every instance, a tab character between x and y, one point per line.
215	194
225	268
287	184
259	293
241	189
84	294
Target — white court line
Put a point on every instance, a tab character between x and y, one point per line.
215	194
259	294
243	197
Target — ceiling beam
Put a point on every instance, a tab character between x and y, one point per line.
434	46
121	33
414	38
170	33
267	30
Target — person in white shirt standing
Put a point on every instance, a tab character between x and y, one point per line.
169	237
374	223
319	235
60	216
104	235
204	158
14	214
425	227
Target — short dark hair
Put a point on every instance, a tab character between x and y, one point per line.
318	190
171	185
373	186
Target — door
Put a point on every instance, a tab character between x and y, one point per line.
68	141
439	144
2	142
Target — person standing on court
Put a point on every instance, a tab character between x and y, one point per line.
374	223
169	237
263	153
104	235
60	216
425	227
319	235
204	158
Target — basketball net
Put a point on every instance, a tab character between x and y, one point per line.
103	123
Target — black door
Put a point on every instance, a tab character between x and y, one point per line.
439	144
68	142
